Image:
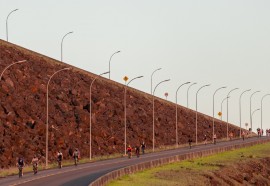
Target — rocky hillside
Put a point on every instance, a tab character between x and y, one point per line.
23	111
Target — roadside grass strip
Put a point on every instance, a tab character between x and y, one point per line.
190	172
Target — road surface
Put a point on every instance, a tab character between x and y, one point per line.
84	174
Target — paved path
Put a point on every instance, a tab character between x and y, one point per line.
84	174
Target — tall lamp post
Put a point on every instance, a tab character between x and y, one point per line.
250	107
125	106
62	44
47	120
214	109
222	106
110	62
152	79
154	111
188	91
90	114
10	66
240	98
176	121
228	111
197	112
253	114
262	108
7	22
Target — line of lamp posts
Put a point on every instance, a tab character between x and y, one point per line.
153	101
153	97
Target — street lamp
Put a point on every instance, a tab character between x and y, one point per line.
154	111
10	66
125	106
90	115
197	112
253	114
152	79
250	107
240	110
62	44
228	111
214	109
262	107
188	91
47	120
7	22
176	125
222	106
110	63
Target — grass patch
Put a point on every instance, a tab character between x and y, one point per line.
188	172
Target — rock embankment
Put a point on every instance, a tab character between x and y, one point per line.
23	91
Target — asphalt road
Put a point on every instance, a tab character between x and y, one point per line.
84	174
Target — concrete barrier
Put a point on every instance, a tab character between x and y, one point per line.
155	163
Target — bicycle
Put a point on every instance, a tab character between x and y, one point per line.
20	171
35	169
59	163
75	161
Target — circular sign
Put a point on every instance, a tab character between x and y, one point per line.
125	78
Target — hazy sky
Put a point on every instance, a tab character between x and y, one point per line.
224	43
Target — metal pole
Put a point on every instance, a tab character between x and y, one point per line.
125	107
10	66
197	112
62	44
90	114
250	107
262	107
214	109
188	91
47	119
222	105
152	79
176	121
110	63
228	112
241	111
7	22
253	114
154	112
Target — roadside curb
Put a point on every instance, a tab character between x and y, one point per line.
103	180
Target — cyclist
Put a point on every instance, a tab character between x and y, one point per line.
76	156
189	142
20	164
137	151
143	146
215	138
205	139
35	164
59	158
129	149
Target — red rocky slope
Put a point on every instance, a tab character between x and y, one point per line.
23	111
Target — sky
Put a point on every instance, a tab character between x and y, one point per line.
222	43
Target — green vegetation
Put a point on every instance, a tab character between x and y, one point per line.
185	172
